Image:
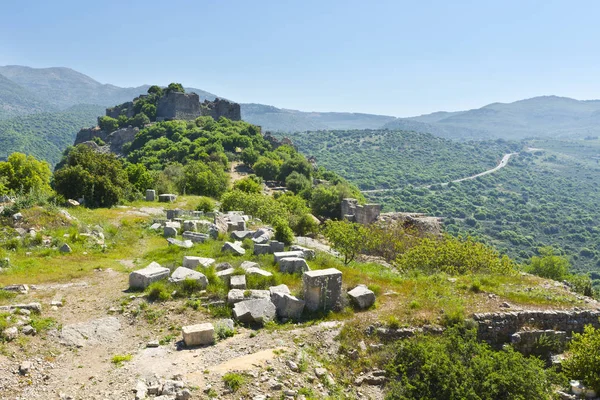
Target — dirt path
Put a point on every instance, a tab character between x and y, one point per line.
501	165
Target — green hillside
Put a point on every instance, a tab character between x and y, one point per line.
379	159
16	100
45	135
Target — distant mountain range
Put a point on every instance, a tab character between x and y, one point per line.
545	116
52	94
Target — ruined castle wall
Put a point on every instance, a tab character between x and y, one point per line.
497	328
176	105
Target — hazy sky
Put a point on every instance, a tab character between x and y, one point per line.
389	57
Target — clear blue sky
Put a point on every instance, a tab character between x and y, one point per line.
390	57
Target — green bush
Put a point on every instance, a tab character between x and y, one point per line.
549	265
457	366
583	361
158	291
206	205
233	381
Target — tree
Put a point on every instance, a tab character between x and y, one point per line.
139	177
296	182
345	237
140	120
283	232
156	90
583	362
21	173
295	164
549	265
249	156
266	168
248	185
175	87
205	179
108	124
99	178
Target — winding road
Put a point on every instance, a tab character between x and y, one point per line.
501	165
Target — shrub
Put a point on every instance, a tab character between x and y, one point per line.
549	265
453	256
233	381
248	185
222	331
346	237
205	204
158	291
283	232
119	359
457	366
583	362
108	124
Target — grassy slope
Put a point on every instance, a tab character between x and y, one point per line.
411	298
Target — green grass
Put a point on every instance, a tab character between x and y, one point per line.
119	359
234	381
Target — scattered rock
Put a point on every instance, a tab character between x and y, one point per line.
11	333
192	262
184	244
235	248
254	311
362	297
287	254
25	368
28	330
141	390
167	198
237	282
287	306
182	273
198	335
293	265
142	278
65	248
308	254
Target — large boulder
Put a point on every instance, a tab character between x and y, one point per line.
199	334
362	297
142	278
182	273
257	311
322	289
234	248
184	244
293	265
237	282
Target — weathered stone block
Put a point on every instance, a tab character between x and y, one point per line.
193	262
293	265
287	254
257	311
167	198
195	237
308	254
249	264
190	225
322	289
226	274
241	235
182	273
142	278
287	306
234	248
362	297
150	195
283	289
237	282
276	247
184	244
259	272
237	295
198	335
260	249
169	231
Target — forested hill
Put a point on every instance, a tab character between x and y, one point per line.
45	135
546	116
16	100
381	159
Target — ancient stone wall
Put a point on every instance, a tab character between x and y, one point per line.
365	215
176	105
116	111
498	328
221	108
